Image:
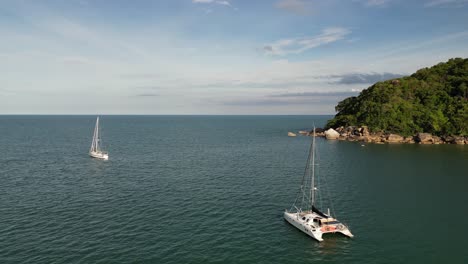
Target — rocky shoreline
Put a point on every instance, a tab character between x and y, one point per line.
354	133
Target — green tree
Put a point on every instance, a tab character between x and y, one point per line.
433	100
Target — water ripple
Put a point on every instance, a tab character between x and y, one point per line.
213	190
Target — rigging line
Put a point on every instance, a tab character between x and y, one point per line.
328	194
317	191
319	179
100	138
306	170
282	159
104	147
300	190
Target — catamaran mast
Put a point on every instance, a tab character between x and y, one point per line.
312	184
308	199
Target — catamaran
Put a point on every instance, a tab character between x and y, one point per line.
95	150
304	214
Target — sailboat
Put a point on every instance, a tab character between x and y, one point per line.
95	150
304	214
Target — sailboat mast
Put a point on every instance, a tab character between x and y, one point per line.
97	134
93	142
312	184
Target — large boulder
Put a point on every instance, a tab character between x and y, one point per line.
423	138
394	138
331	134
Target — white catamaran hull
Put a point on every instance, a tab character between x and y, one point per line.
99	155
313	229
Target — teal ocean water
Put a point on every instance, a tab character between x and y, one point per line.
212	189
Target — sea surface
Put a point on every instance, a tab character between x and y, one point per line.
212	189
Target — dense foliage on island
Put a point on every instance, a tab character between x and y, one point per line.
432	100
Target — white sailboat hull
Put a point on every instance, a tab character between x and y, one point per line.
304	222
99	155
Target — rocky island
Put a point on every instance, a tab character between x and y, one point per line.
427	107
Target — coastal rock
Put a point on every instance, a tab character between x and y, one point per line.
365	131
459	140
394	138
349	130
370	139
356	131
423	138
343	137
353	137
449	139
331	134
319	130
436	140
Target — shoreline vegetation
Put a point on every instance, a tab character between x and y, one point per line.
427	107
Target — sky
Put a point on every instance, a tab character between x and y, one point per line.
211	57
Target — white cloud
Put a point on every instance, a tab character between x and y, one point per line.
445	3
299	45
226	3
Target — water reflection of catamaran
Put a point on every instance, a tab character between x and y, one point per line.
95	150
304	215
